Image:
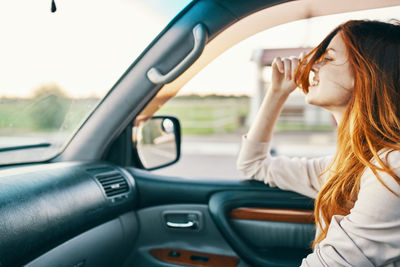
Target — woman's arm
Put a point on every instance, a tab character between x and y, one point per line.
282	84
300	175
297	174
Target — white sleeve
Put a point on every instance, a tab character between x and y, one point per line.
370	234
296	174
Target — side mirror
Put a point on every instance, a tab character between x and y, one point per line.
158	141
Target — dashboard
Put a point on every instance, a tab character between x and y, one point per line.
74	214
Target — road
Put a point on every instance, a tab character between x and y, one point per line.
204	156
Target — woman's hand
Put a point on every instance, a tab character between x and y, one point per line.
283	70
282	85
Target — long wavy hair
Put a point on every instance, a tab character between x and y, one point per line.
371	121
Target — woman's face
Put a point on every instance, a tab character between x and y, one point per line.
333	80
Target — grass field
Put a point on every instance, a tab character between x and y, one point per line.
211	115
13	114
208	115
16	115
198	115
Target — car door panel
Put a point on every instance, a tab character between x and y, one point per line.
278	241
202	241
267	234
272	241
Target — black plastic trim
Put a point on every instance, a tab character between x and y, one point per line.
173	190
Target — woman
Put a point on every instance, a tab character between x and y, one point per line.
356	76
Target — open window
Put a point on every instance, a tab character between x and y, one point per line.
217	105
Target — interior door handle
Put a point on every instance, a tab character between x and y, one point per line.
188	224
199	34
182	220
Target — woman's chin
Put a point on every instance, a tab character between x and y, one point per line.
313	97
314	101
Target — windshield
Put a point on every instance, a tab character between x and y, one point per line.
56	66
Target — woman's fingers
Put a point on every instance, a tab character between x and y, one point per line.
277	62
295	63
288	68
283	70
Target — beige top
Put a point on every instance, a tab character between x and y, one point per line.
368	236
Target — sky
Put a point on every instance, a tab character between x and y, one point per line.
86	46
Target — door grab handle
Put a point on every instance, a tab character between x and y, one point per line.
188	224
199	34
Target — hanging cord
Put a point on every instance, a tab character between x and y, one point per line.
53	6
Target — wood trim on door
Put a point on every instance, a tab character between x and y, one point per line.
276	215
193	258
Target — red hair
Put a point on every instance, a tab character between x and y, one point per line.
371	121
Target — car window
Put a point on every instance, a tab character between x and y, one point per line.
56	66
217	106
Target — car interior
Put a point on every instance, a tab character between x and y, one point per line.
98	203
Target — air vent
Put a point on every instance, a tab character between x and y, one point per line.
113	183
